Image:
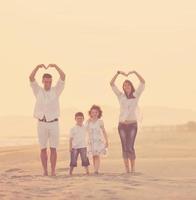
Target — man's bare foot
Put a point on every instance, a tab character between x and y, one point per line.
132	172
45	173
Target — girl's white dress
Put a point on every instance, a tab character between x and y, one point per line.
96	145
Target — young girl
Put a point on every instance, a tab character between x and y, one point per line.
98	140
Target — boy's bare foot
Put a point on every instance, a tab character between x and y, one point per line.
87	170
71	171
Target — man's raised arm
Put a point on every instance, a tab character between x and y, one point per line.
60	71
33	73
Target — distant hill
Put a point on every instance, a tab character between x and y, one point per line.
166	116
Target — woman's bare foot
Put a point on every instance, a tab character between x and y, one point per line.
53	174
71	171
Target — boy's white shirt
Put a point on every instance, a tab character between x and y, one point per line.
79	136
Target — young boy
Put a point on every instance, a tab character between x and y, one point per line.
77	143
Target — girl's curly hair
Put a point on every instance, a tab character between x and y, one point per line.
98	108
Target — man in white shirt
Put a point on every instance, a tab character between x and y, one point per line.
47	111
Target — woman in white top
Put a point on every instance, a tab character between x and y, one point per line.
127	127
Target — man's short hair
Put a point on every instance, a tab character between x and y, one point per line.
79	114
46	76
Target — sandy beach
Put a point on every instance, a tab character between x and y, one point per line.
134	59
166	164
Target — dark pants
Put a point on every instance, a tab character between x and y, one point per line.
83	156
127	134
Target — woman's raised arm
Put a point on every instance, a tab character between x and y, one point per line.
138	75
112	82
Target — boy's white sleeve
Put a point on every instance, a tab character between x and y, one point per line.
71	133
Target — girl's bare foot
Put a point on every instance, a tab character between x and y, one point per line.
132	172
70	174
87	173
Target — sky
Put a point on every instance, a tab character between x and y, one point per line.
90	41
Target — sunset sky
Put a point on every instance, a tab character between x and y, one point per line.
90	41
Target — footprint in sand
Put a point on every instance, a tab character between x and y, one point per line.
63	169
128	188
24	176
108	191
89	197
137	174
2	196
14	170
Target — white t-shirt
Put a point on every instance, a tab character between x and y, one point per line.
47	102
128	107
79	137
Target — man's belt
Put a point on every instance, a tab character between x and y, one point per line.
44	120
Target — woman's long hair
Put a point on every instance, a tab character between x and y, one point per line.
130	96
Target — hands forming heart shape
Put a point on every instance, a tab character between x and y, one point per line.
126	74
46	67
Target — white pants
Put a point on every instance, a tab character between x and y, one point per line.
48	132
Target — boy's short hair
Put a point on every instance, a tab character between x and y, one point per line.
79	114
46	76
